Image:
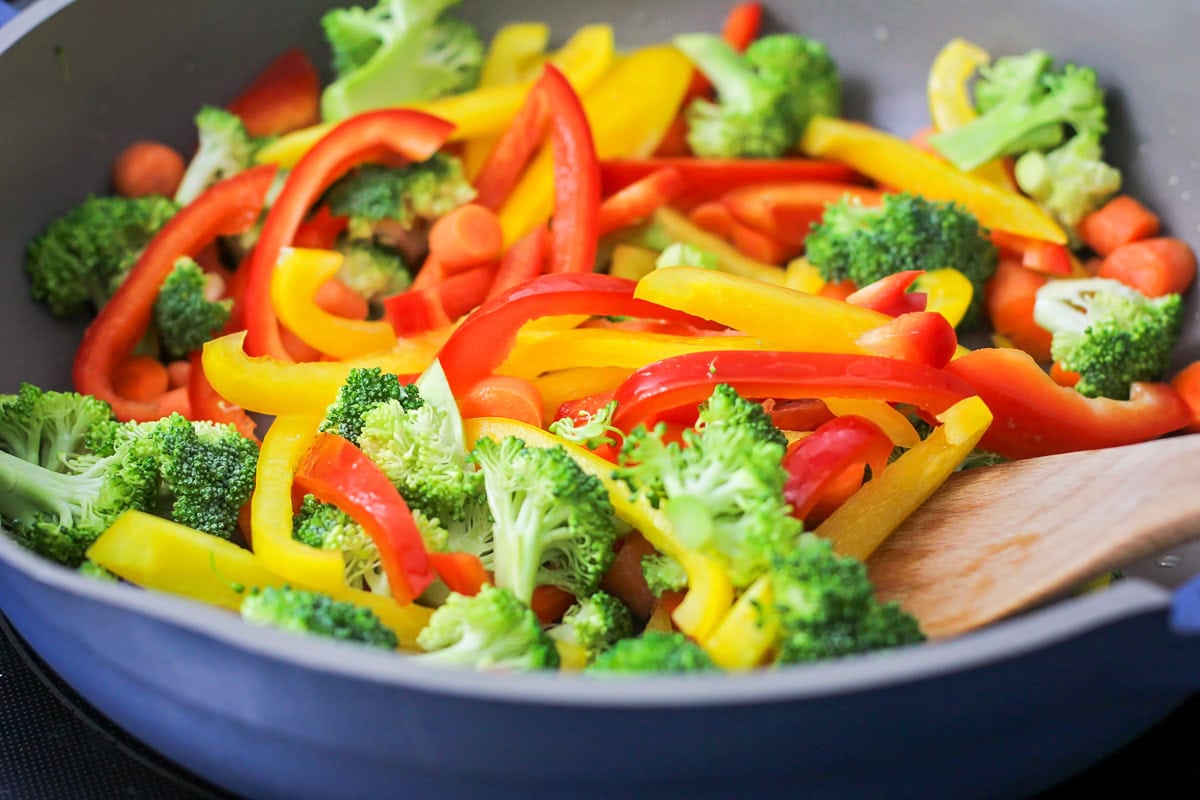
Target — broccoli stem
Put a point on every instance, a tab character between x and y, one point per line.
724	67
27	489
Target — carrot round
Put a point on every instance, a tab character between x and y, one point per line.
466	237
147	168
141	378
1119	221
1009	296
504	396
1154	267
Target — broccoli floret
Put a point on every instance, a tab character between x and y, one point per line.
424	190
826	606
363	389
373	270
327	527
90	569
803	71
595	623
492	630
653	651
682	254
83	257
1070	181
399	51
864	244
663	573
751	118
1110	333
184	318
553	524
1025	104
723	489
225	149
300	611
587	429
49	428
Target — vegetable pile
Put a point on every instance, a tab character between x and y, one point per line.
517	359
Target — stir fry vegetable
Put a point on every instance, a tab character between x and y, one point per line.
569	360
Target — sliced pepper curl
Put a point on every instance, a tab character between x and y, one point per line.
298	275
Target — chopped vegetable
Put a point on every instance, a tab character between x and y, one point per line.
492	630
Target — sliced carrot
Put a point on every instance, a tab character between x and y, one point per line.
1009	297
141	378
550	603
1119	221
178	373
838	290
466	237
1048	257
787	210
523	261
742	24
503	396
340	300
763	246
463	573
624	579
1154	267
147	168
1187	383
430	274
713	217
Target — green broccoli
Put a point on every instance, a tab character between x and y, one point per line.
82	257
326	527
1110	333
653	651
225	150
587	429
1024	105
313	613
373	270
49	428
184	318
682	254
865	244
663	574
424	190
90	569
553	524
492	630
399	51
752	115
804	72
826	606
362	390
1070	181
595	623
722	490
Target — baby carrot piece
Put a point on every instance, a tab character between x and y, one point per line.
1119	221
141	378
504	396
1154	267
466	237
147	168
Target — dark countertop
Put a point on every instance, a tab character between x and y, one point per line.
54	746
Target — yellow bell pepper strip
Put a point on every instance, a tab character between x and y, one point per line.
573	383
632	262
158	554
950	103
947	292
285	444
890	421
629	110
864	521
584	59
802	276
710	592
896	163
511	58
748	632
787	318
537	353
266	386
298	274
729	258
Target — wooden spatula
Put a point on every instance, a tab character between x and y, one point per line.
1001	539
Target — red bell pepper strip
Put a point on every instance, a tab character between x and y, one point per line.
411	134
1046	257
484	339
576	178
463	573
816	462
1034	416
321	230
688	380
227	208
284	97
522	262
438	305
787	210
513	150
713	217
207	404
919	337
640	199
889	295
335	471
713	177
